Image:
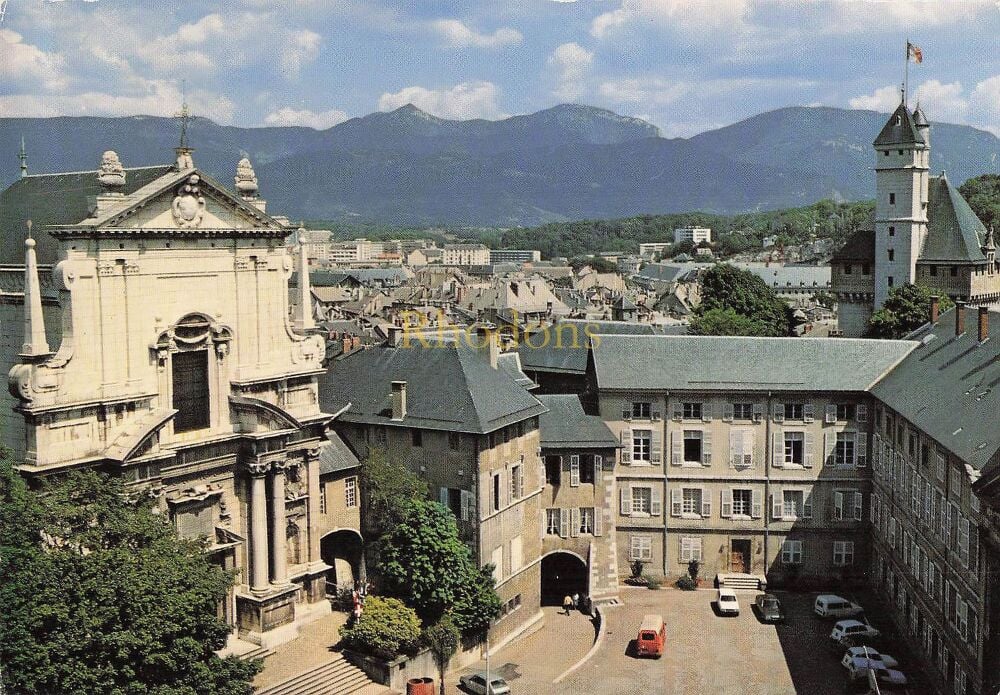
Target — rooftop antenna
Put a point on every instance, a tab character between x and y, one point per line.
23	156
184	114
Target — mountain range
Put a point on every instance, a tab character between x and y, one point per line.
567	162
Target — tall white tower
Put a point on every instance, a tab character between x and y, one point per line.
902	163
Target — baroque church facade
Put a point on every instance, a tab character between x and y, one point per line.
925	233
158	344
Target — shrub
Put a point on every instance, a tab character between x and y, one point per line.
693	568
654	582
687	583
385	629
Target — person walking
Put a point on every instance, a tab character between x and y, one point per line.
567	603
576	601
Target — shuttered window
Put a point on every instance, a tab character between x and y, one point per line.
190	384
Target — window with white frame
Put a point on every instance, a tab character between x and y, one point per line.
642	445
941	466
692	411
693	446
516	554
642	499
792	504
351	492
794	448
742	502
845	411
791	552
847	505
690	548
742	411
794	411
552	522
640	547
845	449
691	501
497	559
587	520
642	410
741	447
322	498
843	553
516	482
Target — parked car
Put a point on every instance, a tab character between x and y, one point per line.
881	681
652	635
726	601
852	628
476	683
833	606
869	653
769	608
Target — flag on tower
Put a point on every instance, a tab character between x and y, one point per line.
914	52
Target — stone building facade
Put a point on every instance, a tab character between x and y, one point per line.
176	365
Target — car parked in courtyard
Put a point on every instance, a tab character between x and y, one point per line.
476	683
769	608
868	653
852	628
726	601
833	606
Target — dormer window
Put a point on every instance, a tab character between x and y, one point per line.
892	199
899	120
885	153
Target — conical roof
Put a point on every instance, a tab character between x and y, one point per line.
900	129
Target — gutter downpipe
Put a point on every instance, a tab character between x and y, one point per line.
768	460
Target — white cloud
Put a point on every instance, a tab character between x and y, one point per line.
986	96
884	99
682	15
320	120
458	35
571	61
466	100
25	64
641	90
945	101
301	47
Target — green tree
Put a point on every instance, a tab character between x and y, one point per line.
424	563
725	287
906	309
100	595
983	195
443	639
386	628
388	487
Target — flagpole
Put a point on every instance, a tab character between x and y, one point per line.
906	75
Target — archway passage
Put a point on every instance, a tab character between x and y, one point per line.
342	550
563	574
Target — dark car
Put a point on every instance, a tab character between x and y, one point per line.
769	609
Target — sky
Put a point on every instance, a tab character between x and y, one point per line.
684	65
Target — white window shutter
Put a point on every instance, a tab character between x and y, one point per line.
808	458
862	411
675	501
574	522
758	412
564	523
626	441
574	470
544	516
655	501
598	467
626	410
735	448
655	414
676	449
656	446
706	505
706	412
858	504
829	443
520	476
861	450
808	412
757	511
727	503
706	448
685	551
777	449
443	496
777	508
598	521
728	412
778	412
625	500
677	412
696	549
468	502
807	506
831	414
748	445
838	505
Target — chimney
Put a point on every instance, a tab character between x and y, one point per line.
494	342
398	400
959	318
935	308
984	323
394	335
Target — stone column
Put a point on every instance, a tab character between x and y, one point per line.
279	554
312	478
258	526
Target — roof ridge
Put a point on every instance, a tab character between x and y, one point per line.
95	171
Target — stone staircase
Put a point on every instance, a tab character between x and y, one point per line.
335	677
750	582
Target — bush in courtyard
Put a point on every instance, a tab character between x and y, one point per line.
385	629
686	583
654	582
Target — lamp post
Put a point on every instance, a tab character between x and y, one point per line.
489	687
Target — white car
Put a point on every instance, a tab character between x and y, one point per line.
726	601
852	628
870	654
833	606
476	683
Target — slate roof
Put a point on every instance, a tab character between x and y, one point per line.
949	387
860	246
55	199
566	425
954	233
905	133
450	386
570	356
696	363
337	456
781	276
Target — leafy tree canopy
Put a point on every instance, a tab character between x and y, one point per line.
388	487
906	309
983	194
99	595
423	562
386	628
443	638
737	300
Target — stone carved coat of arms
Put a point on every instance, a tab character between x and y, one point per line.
188	207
